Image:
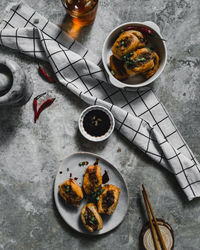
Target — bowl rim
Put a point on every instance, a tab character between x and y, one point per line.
114	81
96	138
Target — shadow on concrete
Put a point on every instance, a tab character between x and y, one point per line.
10	118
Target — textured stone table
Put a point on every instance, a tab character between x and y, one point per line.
30	153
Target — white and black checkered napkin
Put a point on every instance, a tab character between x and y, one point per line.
139	116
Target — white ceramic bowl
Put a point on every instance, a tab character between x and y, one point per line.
156	41
96	138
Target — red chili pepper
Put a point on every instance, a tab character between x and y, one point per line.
35	109
35	105
44	73
44	105
40	95
142	29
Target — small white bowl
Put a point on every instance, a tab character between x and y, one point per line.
96	138
157	43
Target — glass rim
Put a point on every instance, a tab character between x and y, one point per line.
96	2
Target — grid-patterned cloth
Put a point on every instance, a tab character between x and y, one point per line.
139	115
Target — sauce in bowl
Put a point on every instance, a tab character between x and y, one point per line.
96	122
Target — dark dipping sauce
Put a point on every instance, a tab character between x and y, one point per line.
96	122
105	177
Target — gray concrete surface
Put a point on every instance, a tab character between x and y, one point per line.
30	153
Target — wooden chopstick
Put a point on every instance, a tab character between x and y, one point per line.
155	238
154	218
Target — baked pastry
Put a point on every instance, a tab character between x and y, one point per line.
140	62
125	43
71	192
117	68
91	218
108	199
156	60
142	42
92	179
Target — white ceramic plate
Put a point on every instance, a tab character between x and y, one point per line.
71	215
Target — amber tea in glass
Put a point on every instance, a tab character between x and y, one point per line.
82	12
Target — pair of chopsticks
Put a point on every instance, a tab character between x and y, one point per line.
156	227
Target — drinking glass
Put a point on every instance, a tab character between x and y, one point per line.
82	12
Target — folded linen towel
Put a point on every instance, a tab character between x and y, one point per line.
139	115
